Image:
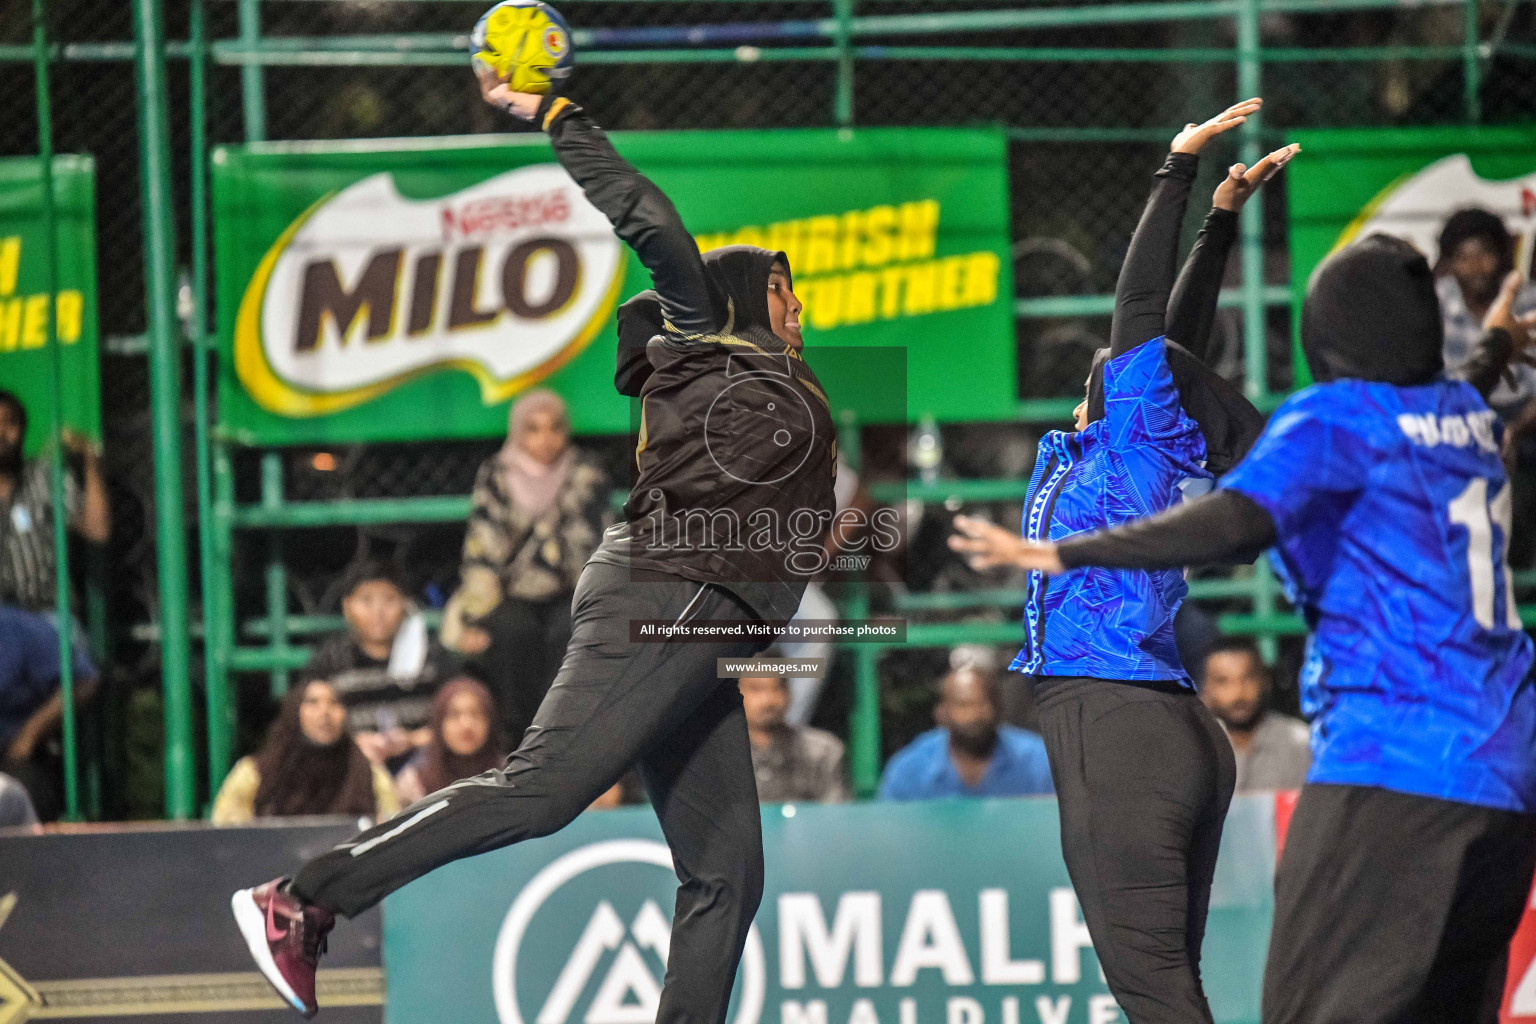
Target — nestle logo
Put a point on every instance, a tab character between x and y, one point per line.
505	213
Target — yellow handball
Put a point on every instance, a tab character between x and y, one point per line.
527	44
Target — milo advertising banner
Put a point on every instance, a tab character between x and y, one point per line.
947	912
1406	181
408	289
25	306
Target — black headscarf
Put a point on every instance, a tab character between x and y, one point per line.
738	282
1227	420
1371	313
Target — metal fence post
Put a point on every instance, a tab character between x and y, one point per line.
219	632
864	720
1250	65
1249	73
216	683
1472	71
277	570
252	75
66	618
165	395
842	101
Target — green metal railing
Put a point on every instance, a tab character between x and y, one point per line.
56	417
843	37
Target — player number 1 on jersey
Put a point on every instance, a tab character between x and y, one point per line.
1472	509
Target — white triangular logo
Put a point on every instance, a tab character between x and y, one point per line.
630	992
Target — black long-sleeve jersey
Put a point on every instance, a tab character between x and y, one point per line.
736	453
1228	526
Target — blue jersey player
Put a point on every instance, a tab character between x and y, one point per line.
1381	491
1143	772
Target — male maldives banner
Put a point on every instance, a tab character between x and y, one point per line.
408	289
1405	182
946	912
25	362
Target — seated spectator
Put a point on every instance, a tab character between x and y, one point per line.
28	573
1272	749
540	506
384	668
1476	252
32	703
970	753
309	764
792	762
16	806
465	741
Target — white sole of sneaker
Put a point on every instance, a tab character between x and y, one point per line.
253	925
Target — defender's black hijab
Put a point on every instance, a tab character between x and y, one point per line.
1227	420
1371	313
738	283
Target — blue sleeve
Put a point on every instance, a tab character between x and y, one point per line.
896	780
41	661
1315	451
1034	764
1141	400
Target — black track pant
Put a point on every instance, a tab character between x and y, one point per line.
613	703
1143	777
1395	909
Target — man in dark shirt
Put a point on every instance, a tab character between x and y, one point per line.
384	668
1273	750
791	762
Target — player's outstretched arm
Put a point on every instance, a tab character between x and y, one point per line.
1146	277
1192	306
1506	338
1223	527
641	213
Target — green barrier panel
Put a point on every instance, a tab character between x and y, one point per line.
950	912
24	305
408	289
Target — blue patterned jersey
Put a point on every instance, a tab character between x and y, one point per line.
1139	459
1392	511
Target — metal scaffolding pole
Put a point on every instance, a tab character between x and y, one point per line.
221	718
66	618
165	395
253	76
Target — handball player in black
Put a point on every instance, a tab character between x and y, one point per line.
736	444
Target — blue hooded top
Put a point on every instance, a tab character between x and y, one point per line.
1143	456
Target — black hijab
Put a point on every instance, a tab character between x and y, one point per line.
738	283
1227	420
1371	313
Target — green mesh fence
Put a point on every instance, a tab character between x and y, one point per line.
1089	125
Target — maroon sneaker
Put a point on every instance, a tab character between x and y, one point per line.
286	937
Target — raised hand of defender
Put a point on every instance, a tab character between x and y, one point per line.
1522	330
1194	136
1242	181
987	545
497	93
